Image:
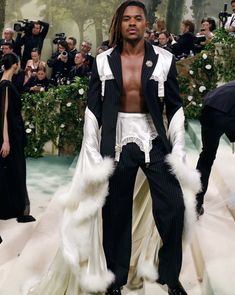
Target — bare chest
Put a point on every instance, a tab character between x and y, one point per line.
131	72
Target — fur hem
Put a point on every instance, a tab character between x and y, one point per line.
189	180
97	282
147	271
87	183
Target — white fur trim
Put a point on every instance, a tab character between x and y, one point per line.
92	181
189	180
148	271
96	283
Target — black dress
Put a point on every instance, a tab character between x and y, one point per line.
14	201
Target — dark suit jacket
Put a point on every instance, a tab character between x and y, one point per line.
184	44
222	98
106	108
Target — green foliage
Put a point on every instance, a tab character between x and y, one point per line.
57	116
213	65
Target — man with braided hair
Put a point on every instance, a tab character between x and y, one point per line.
125	98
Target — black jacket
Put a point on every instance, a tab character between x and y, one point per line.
106	108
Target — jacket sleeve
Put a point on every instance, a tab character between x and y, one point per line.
94	99
174	113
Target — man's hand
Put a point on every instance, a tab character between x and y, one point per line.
5	150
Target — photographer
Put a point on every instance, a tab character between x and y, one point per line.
230	23
34	35
59	63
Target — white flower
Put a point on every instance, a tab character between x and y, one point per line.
68	104
62	126
204	56
81	91
35	149
27	123
28	130
202	88
191	72
194	86
194	103
190	98
208	67
31	126
200	105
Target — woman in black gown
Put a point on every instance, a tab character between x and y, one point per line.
14	201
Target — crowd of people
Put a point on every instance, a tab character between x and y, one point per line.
134	135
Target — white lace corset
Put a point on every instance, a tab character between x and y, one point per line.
137	128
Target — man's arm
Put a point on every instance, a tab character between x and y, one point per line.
94	99
175	113
45	28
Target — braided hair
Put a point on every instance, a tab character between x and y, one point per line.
115	27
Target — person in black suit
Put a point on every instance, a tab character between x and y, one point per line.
127	86
185	43
217	118
32	38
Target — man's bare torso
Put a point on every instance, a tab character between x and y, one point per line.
132	100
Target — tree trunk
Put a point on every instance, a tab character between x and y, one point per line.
2	14
98	32
175	11
198	7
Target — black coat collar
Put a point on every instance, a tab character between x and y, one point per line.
149	63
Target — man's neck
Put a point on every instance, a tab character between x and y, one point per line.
133	48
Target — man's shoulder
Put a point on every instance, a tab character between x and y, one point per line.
162	52
103	55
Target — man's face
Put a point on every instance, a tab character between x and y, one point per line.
6	49
36	29
70	44
133	24
233	7
7	35
163	39
79	60
85	47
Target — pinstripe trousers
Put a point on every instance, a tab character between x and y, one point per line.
168	213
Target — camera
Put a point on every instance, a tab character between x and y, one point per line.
64	54
23	26
199	43
223	15
59	37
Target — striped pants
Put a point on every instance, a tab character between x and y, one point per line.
168	213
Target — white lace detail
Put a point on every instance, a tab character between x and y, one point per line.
137	128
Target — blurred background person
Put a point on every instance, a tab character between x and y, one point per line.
8	35
32	38
86	49
72	42
33	64
185	43
59	63
230	23
206	29
39	82
80	69
14	201
164	41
